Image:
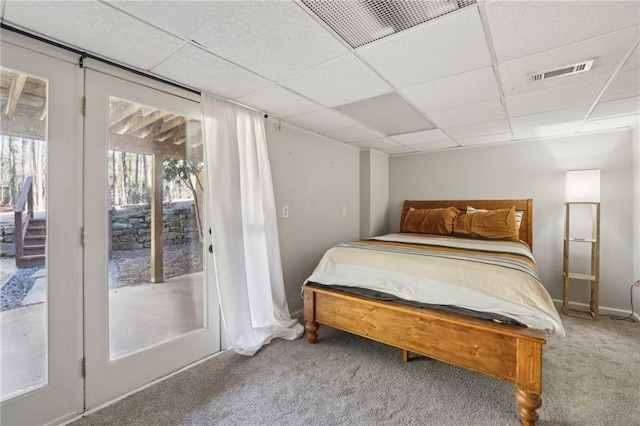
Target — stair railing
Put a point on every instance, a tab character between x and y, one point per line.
23	213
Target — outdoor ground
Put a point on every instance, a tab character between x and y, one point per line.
127	267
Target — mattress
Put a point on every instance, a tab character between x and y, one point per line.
495	278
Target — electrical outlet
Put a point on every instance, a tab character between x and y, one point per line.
344	210
285	212
637	284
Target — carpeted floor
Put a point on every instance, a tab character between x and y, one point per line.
591	377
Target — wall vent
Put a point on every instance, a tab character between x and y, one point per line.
583	66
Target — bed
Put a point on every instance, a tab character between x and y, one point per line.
505	351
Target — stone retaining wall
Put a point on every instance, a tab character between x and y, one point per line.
132	225
7	233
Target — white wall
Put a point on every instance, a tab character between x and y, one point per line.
315	177
536	170
636	212
374	193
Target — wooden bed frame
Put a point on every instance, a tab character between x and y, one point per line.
507	352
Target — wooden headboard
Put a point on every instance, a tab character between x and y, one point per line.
526	205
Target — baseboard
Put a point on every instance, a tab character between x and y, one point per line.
602	310
297	314
67	418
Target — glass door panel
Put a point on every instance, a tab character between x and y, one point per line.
155	269
23	180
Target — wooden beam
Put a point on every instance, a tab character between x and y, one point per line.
157	255
17	84
164	132
122	113
139	124
43	112
149	147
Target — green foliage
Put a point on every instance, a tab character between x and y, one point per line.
187	172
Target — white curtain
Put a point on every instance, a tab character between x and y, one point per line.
242	214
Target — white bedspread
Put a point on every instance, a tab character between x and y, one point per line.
482	275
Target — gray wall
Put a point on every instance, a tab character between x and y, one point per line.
536	170
636	213
316	177
374	193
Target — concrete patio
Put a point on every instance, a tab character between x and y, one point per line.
140	316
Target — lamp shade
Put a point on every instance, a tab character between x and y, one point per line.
582	186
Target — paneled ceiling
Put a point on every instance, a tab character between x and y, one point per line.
459	79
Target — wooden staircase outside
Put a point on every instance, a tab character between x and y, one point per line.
30	233
33	249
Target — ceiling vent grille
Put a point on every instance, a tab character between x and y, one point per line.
562	71
359	22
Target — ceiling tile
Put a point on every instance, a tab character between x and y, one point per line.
397	150
625	85
433	135
610	123
338	82
389	114
278	102
353	134
485	140
555	98
633	63
479	129
222	78
521	28
446	46
468	114
461	89
94	27
548	124
322	121
383	143
607	52
432	146
616	108
273	38
182	18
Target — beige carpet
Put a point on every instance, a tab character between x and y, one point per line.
591	377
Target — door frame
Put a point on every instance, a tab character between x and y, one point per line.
62	398
134	368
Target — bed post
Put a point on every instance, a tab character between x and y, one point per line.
310	315
528	380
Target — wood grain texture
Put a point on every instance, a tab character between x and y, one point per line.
525	205
506	352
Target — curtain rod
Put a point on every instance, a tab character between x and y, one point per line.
84	55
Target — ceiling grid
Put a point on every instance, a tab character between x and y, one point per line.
463	68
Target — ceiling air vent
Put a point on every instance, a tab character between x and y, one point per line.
360	22
564	70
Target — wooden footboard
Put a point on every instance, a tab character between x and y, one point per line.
506	352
